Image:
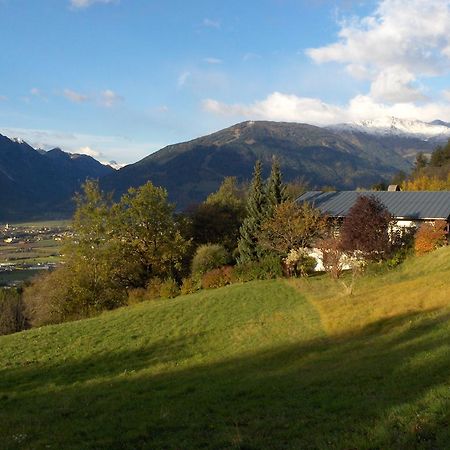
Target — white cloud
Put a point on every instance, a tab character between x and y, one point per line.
3	98
282	107
402	41
364	107
395	84
206	79
397	49
183	78
80	4
109	98
213	61
106	98
74	96
35	92
103	147
88	151
210	23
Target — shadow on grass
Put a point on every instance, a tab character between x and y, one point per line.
375	390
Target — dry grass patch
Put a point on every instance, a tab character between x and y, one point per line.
422	284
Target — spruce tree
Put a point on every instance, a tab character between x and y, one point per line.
276	190
249	249
421	162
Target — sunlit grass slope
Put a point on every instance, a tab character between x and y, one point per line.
420	284
261	365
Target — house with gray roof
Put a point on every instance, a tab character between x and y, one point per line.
407	207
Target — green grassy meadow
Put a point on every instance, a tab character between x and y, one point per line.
31	253
263	365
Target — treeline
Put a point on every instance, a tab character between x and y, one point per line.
429	174
139	248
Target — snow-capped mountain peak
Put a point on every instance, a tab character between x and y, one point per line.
114	164
398	127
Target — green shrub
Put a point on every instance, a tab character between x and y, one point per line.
218	277
209	257
49	298
306	265
189	286
299	263
137	295
267	268
71	292
271	267
169	289
12	312
153	290
399	256
402	245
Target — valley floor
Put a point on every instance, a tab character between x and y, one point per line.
269	364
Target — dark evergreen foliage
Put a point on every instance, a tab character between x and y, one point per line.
441	156
276	190
421	161
248	246
219	218
215	224
432	173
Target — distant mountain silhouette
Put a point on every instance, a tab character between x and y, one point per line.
39	184
320	156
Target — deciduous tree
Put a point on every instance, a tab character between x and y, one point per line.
292	226
219	218
149	235
366	229
430	236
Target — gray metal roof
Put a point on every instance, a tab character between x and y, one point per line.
404	204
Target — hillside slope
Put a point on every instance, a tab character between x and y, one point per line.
191	170
38	184
272	364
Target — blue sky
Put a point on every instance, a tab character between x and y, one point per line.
119	79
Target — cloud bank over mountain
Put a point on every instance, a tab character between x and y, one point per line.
397	49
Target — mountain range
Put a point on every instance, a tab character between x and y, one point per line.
345	156
34	183
437	130
40	184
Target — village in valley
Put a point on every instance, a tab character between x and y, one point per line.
28	249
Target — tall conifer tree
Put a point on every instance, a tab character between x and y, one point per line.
249	249
276	190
